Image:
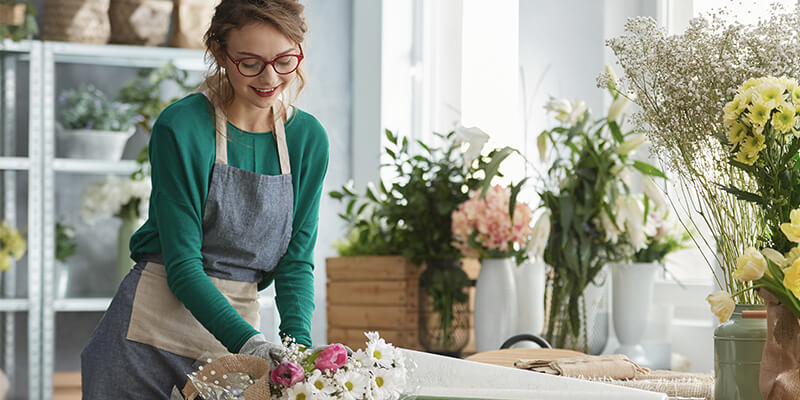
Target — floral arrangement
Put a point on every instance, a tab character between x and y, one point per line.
116	197
65	242
594	220
682	84
767	269
493	225
378	372
88	108
12	244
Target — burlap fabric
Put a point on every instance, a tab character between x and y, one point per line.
219	371
190	21
141	22
779	378
84	21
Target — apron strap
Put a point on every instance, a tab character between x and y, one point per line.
221	137
280	139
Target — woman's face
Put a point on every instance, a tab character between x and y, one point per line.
263	41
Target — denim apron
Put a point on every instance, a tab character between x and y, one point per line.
147	341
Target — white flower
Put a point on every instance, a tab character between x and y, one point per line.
569	113
106	199
654	193
321	384
559	106
300	391
630	215
378	351
616	108
387	383
539	235
631	144
475	137
775	256
354	383
612	233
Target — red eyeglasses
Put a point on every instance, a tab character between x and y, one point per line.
253	65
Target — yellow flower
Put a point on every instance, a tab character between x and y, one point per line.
792	255
722	305
759	112
783	121
775	256
752	82
737	133
11	242
746	158
734	108
771	93
750	266
791	278
795	93
792	228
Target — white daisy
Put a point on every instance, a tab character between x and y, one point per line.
386	383
322	384
300	391
379	352
355	383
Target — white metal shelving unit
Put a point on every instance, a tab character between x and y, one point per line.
41	165
54	53
10	164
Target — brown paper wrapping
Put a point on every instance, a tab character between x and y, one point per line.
256	367
779	378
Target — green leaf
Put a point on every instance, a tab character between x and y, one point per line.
391	137
742	194
350	205
648	169
335	195
391	153
493	166
616	132
513	199
567	210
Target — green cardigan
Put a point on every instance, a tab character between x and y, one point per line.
182	156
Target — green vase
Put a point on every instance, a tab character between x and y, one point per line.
126	230
738	345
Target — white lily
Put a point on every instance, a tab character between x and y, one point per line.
630	215
616	108
539	235
631	144
655	194
475	137
612	79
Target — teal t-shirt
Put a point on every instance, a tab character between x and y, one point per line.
182	152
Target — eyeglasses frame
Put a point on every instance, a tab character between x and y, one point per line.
236	62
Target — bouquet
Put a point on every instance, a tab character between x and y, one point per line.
117	197
12	244
491	224
379	372
682	84
594	221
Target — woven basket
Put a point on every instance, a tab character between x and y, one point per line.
84	21
142	22
190	20
12	14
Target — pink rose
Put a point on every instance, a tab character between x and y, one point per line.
331	358
287	374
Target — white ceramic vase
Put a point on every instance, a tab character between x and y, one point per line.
632	296
495	304
92	144
530	282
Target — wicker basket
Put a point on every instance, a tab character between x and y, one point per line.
12	14
190	20
84	21
142	22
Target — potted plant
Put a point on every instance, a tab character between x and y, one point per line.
412	217
12	244
93	127
17	20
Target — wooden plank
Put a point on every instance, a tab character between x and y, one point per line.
369	268
408	339
372	317
400	293
472	267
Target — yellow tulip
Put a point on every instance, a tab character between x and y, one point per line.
791	278
750	266
722	305
792	229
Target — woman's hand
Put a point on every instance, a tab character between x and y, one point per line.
259	346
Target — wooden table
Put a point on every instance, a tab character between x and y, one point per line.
507	357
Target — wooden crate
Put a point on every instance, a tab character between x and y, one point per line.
375	293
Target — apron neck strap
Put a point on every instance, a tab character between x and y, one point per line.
221	145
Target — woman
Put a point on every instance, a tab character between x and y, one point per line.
237	177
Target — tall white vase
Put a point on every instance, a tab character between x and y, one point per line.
495	304
632	295
530	280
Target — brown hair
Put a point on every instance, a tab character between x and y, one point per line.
284	15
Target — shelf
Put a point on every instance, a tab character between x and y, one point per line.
93	304
11	305
18	163
94	166
126	56
10	46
